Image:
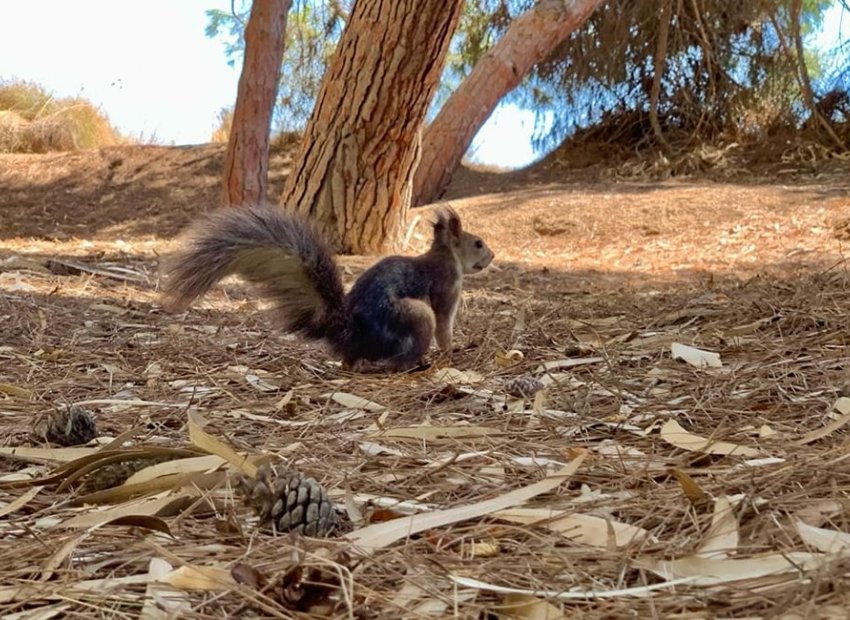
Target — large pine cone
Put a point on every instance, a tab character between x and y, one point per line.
65	426
524	386
290	503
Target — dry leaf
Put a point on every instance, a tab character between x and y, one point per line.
436	433
695	357
690	488
768	460
722	535
822	539
14	390
418	600
177	466
766	432
573	594
581	528
842	405
710	572
208	443
749	328
674	434
19	502
40	455
353	401
149	506
817	511
455	376
374	537
260	384
568	363
192	483
479	549
630	459
60	555
525	607
209	578
161	603
283	402
29	593
509	358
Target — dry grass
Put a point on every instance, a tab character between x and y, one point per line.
221	134
280	141
33	121
607	276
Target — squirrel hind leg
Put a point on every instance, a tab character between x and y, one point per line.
413	327
418	322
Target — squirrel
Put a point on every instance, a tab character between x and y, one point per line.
386	321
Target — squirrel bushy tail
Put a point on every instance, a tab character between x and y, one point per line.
280	253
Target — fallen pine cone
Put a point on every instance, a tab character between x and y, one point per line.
291	503
116	473
65	426
524	386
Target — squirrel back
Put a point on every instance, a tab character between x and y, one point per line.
389	317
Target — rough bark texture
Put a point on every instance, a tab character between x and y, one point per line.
530	39
246	165
361	145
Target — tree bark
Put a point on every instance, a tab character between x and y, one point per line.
659	63
246	165
360	147
530	39
803	75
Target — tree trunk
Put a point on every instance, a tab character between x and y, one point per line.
360	147
659	63
530	39
246	165
803	75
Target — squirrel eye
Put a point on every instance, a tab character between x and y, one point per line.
479	244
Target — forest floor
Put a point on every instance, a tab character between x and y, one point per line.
635	484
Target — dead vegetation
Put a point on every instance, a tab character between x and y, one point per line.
685	456
622	147
33	121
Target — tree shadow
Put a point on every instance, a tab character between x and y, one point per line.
84	336
156	190
119	191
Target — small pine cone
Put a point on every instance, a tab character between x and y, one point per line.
116	473
524	386
66	426
291	503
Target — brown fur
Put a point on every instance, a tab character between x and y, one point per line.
389	317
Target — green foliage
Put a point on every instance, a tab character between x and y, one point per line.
33	121
313	29
725	68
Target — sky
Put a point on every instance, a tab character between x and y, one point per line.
156	75
149	64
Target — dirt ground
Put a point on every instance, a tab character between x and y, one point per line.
596	283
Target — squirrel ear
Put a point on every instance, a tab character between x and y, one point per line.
441	224
454	223
447	226
448	219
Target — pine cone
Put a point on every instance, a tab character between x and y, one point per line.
65	426
524	386
291	503
117	473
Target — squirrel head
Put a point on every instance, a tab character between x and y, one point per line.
469	250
